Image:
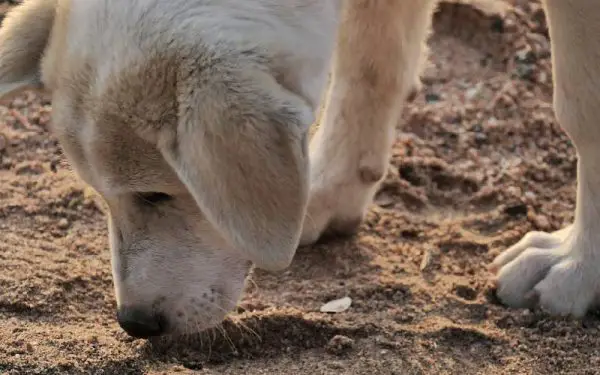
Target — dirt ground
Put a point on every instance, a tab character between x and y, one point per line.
479	161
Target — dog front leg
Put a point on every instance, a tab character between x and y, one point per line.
560	271
380	48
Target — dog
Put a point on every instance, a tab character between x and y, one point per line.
191	119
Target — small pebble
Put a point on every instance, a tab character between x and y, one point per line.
426	261
542	222
480	138
530	195
339	345
526	71
337	306
63	223
525	56
336	365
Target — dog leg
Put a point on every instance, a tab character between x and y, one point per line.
380	48
560	272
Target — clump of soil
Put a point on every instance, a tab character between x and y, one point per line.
478	162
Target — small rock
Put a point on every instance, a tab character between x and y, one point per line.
525	56
339	345
526	71
513	191
63	223
336	365
542	222
531	196
509	25
480	138
473	92
193	365
426	261
337	306
404	318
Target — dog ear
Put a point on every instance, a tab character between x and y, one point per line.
241	149
24	35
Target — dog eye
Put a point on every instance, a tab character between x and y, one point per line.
154	197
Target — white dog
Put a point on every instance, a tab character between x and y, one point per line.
191	119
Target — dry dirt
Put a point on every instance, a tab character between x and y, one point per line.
479	161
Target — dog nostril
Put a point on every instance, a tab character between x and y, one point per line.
140	324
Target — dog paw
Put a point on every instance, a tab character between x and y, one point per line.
335	212
557	272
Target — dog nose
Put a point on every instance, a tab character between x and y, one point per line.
139	323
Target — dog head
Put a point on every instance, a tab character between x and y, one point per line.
198	151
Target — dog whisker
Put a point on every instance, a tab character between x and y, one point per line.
238	323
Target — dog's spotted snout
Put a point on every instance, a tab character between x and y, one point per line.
139	323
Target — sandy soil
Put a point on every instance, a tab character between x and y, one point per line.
479	161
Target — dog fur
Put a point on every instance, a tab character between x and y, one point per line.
191	119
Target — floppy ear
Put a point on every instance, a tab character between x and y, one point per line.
24	35
241	149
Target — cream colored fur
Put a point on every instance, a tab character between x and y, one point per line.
191	117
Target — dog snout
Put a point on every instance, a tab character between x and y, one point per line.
141	323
